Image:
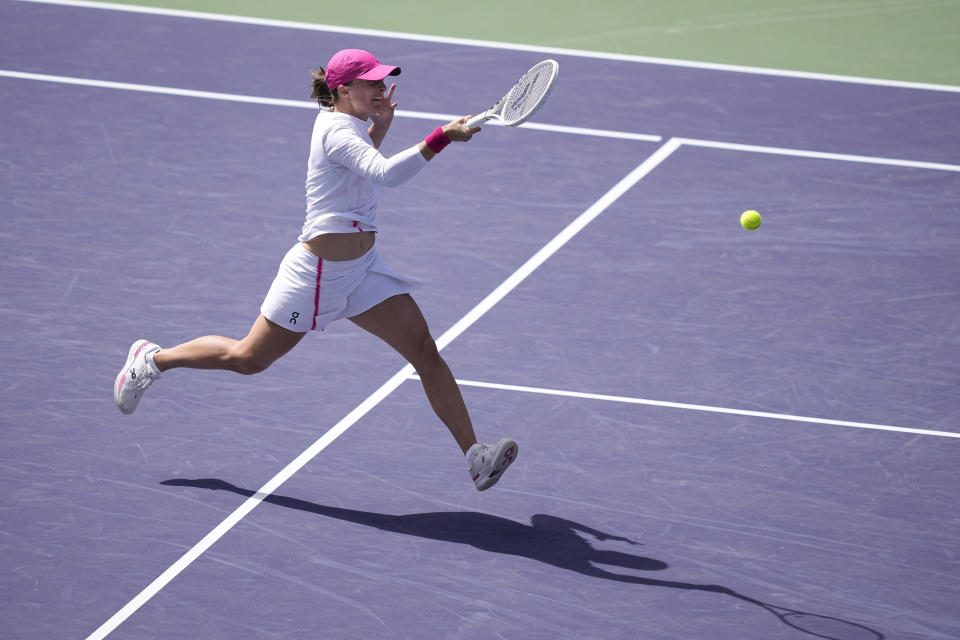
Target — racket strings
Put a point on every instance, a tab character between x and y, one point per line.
527	95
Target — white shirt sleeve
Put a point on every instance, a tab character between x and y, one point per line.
343	146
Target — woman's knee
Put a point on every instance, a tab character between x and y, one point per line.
425	355
247	362
265	344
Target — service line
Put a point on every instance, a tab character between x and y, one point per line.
702	407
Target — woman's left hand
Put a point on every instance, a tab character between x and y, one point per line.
384	115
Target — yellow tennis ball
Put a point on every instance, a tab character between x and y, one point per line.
750	219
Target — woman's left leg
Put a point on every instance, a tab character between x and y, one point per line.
399	322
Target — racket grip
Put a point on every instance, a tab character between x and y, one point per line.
476	121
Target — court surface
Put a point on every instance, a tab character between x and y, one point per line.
724	434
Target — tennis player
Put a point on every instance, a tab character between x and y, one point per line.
334	271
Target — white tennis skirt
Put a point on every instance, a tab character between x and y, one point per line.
309	292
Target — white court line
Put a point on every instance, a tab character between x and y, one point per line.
701	407
149	88
437	117
661	154
302	104
819	155
585	218
489	44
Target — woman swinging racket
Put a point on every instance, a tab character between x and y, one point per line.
335	271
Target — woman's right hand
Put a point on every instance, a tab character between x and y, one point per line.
458	131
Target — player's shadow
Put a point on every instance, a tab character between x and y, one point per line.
549	539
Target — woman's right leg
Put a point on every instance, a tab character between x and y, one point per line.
264	345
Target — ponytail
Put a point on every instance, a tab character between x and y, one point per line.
321	92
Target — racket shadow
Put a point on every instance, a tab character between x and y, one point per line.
548	539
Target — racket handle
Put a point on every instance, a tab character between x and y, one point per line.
476	121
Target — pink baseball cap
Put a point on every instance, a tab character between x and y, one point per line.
351	64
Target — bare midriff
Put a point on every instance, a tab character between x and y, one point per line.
341	246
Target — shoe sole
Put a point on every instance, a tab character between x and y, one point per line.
135	349
505	452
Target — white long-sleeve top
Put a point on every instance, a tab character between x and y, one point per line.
346	173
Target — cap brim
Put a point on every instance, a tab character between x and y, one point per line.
380	72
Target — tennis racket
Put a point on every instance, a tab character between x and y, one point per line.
816	625
812	624
523	100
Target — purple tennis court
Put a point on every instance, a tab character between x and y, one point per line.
724	434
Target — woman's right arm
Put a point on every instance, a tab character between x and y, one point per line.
344	147
456	131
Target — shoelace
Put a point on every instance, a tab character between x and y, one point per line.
143	379
480	458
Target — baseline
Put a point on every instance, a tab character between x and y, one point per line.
466	42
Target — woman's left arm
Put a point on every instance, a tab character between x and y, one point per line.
382	118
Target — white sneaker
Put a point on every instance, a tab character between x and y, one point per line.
489	462
136	376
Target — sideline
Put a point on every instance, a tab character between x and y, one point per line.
385	390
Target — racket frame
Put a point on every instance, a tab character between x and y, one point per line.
493	113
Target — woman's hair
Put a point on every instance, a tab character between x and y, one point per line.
324	96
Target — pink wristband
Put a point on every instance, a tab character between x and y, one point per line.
437	140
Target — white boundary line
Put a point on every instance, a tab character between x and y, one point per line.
489	44
437	117
585	218
150	88
701	407
581	221
301	104
819	155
